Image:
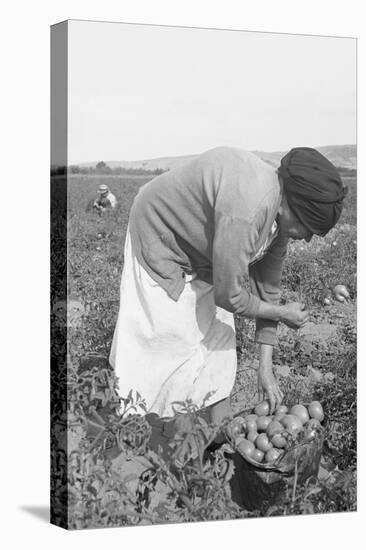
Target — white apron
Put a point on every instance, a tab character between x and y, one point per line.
171	351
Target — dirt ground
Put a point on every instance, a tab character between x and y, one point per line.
320	337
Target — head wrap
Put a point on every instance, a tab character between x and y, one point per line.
103	189
313	188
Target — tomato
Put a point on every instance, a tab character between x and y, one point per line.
251	422
258	455
252	436
341	293
282	409
273	428
263	422
263	443
262	409
233	432
236	428
292	423
309	435
246	448
279	441
272	455
316	411
278	416
301	412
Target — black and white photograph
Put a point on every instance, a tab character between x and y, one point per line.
203	274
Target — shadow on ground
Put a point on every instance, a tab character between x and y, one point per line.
40	512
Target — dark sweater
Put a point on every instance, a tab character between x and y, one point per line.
210	217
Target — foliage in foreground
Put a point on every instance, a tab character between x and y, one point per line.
115	478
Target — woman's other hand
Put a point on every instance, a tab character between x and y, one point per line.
295	315
267	384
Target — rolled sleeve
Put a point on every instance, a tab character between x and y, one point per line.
265	282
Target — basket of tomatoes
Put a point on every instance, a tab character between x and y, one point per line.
272	452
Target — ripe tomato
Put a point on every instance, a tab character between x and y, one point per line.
282	409
233	432
272	455
292	423
258	455
263	422
252	436
301	412
263	443
316	411
341	293
246	448
236	428
273	428
309	435
251	422
278	416
262	409
279	441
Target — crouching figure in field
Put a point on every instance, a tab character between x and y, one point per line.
104	200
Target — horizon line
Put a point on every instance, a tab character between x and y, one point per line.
195	154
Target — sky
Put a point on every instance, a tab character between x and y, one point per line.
141	92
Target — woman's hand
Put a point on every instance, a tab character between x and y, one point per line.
268	387
294	315
267	384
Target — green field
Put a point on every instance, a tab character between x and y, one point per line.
95	254
307	367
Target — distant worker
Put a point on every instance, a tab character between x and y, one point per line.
105	199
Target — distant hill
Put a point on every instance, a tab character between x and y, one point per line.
161	163
344	156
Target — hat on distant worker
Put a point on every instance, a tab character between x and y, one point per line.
313	188
103	189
